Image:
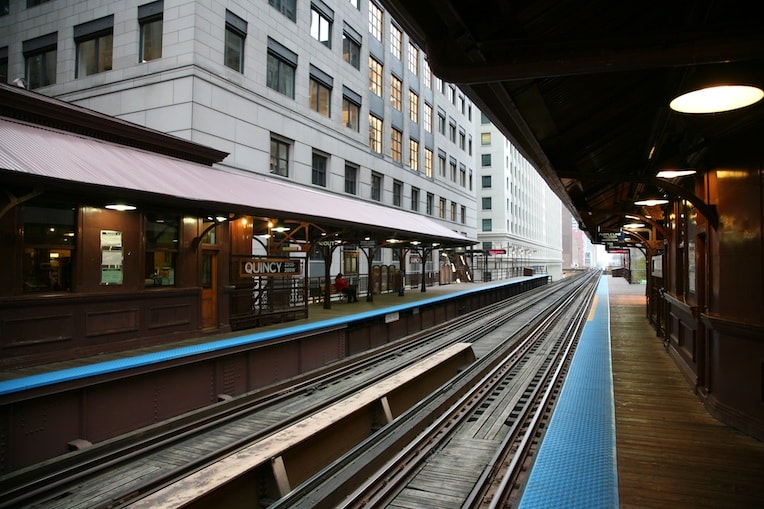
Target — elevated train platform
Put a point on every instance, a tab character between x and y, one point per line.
628	431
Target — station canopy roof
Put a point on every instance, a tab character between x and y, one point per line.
584	91
56	161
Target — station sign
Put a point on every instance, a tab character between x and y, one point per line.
497	251
268	267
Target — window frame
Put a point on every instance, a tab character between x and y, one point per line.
376	186
396	144
281	68
351	47
150	17
235	41
46	48
279	143
100	33
375	76
321	23
319	171
351	179
376	126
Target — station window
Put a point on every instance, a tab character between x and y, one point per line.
413	106
413	59
430	204
428	162
485	181
485	160
442	208
415	199
487	225
161	249
485	139
49	244
94	42
486	203
453	211
427	117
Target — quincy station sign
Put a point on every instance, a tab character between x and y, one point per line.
268	267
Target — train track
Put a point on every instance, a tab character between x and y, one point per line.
474	453
118	471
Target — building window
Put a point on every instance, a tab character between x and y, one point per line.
442	208
376	186
40	55
413	106
396	42
150	21
415	199
282	63
279	157
427	120
319	169
397	192
351	109
485	139
462	175
452	132
442	165
413	59
428	162
427	74
414	154
320	91
451	95
462	140
375	21
94	46
486	202
441	124
351	47
487	225
463	214
375	76
49	244
354	3
286	7
161	249
430	204
396	140
235	33
484	118
396	86
485	181
351	178
452	167
485	160
375	134
453	211
321	18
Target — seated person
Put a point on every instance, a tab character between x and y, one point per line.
342	285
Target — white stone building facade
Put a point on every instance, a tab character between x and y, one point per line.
330	95
519	216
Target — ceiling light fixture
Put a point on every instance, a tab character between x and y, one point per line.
121	207
670	174
717	99
651	202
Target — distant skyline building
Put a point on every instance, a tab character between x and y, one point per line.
519	215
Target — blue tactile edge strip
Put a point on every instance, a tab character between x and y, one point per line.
576	463
136	361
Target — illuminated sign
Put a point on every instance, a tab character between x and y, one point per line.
268	267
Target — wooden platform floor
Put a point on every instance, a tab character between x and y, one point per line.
671	452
